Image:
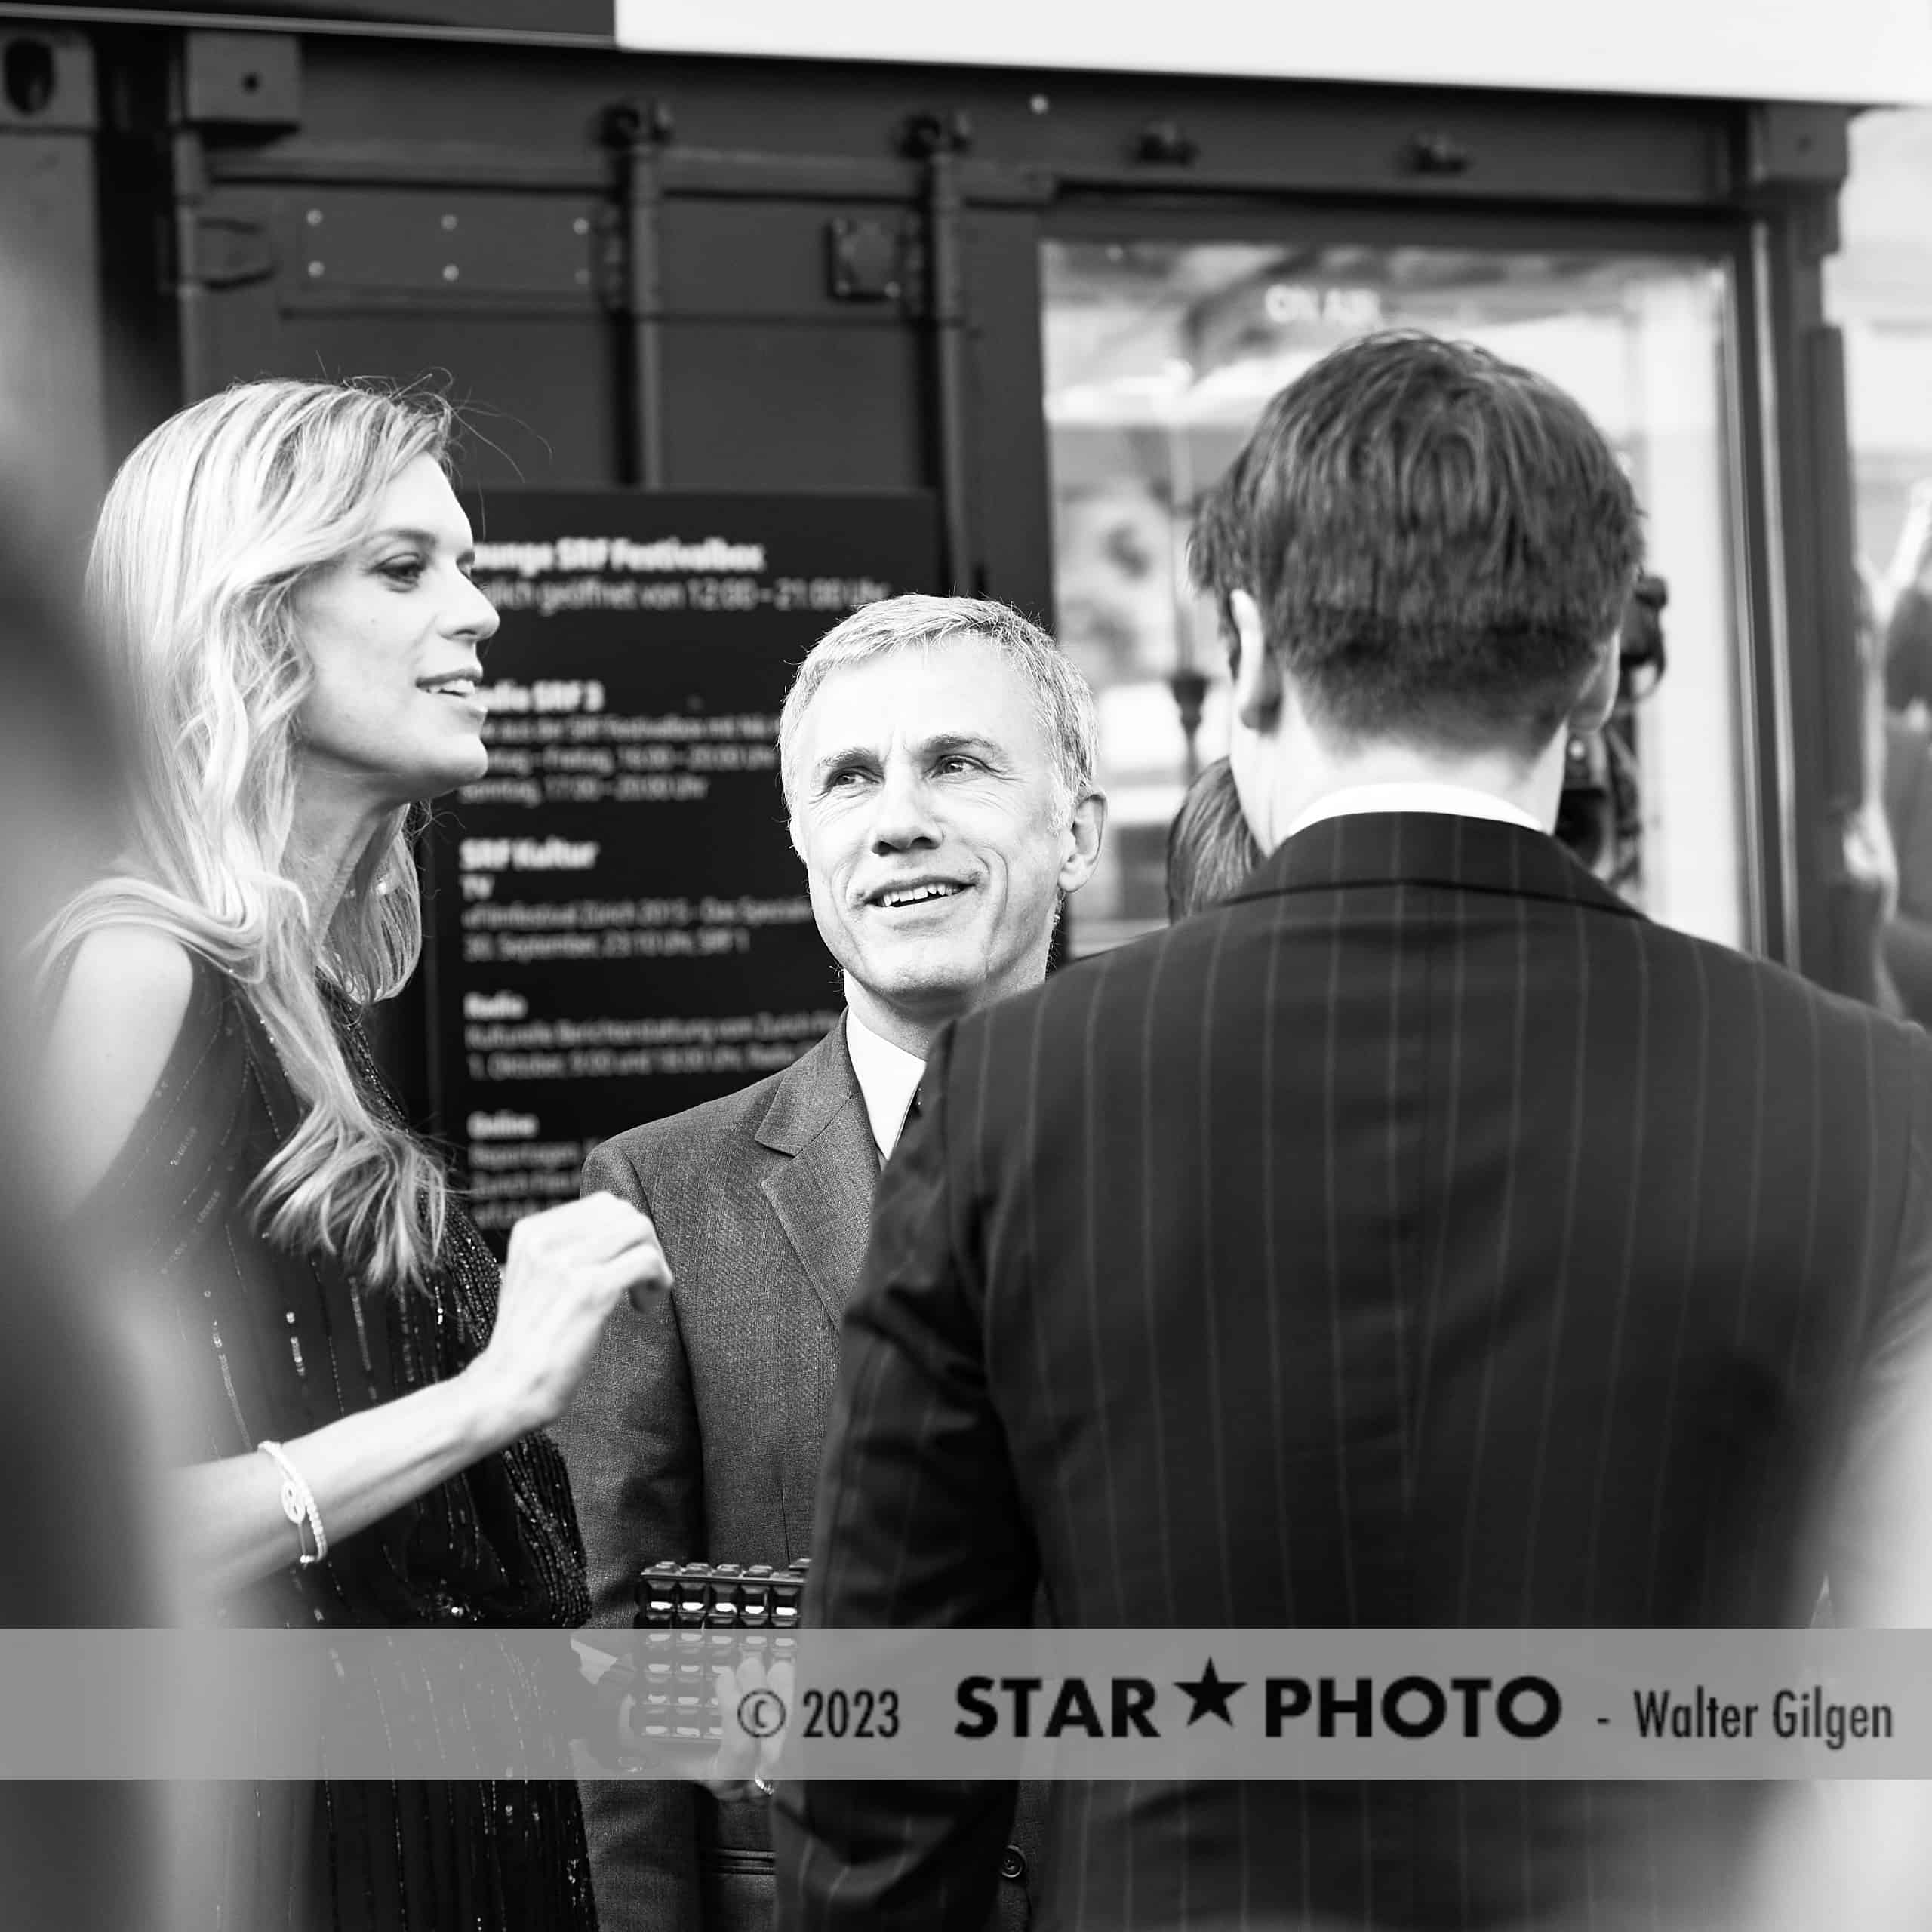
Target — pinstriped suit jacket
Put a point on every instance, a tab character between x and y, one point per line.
1423	1239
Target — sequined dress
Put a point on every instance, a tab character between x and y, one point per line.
273	1345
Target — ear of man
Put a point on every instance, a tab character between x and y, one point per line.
1253	670
1595	701
1083	851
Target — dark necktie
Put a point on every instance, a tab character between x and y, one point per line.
912	1114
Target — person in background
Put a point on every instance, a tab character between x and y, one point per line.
1871	854
1903	606
1899	605
1899	737
281	574
1210	851
1906	934
936	755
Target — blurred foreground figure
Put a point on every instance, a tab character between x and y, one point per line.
281	574
1859	1853
78	1403
1210	851
1421	1239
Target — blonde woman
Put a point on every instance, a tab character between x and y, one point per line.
281	571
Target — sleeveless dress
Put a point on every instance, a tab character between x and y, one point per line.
273	1344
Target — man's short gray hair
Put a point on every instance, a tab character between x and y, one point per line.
1062	700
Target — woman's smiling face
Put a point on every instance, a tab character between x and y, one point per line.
393	632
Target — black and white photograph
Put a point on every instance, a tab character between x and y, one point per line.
966	970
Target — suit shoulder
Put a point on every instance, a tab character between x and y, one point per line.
1848	1033
690	1139
1059	1006
1130	970
1781	986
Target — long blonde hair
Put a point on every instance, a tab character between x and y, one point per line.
208	532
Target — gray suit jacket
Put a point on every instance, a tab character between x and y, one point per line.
697	1432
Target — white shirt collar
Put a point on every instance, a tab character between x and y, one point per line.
888	1077
1421	795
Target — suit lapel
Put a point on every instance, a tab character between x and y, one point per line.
823	1193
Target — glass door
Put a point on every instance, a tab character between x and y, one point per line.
1158	355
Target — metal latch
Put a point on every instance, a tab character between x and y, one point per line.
230	253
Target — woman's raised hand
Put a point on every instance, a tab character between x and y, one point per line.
568	1268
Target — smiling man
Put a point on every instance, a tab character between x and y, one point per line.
937	756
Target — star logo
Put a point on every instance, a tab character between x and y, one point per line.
1210	1695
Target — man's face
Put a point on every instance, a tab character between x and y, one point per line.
927	816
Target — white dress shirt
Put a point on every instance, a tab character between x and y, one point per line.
888	1077
1461	800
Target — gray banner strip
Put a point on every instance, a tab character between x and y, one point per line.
1418	1704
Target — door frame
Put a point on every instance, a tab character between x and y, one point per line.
1801	766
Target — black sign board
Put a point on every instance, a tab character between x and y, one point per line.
618	927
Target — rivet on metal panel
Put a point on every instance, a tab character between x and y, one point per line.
449	223
249	80
1433	152
1039	103
450	272
923	135
314	268
314	217
581	225
1168	144
583	275
1790	144
864	261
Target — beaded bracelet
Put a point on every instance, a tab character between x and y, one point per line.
298	1503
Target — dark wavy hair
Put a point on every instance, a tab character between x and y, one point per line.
1440	543
1210	851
